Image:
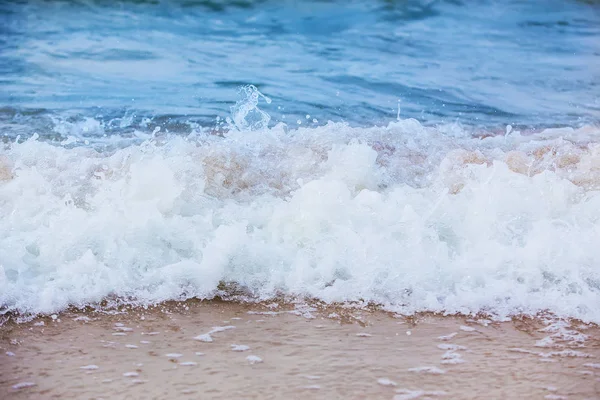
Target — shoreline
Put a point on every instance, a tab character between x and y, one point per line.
216	349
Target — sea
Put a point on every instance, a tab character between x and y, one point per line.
417	155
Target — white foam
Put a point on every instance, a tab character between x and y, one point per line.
221	329
122	329
519	350
131	346
585	372
561	332
448	337
545	342
386	382
592	365
451	357
254	359
23	385
403	215
312	387
467	328
407	394
130	374
89	367
10	354
173	355
264	312
565	353
205	337
429	370
239	347
188	363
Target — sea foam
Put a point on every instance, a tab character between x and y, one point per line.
411	217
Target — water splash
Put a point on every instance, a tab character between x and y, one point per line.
402	215
245	113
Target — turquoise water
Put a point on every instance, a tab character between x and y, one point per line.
479	63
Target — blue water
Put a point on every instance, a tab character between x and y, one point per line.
180	63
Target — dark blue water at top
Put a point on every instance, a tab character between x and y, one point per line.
481	63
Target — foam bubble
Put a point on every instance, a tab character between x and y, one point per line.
205	337
23	385
451	357
447	337
429	370
407	394
252	359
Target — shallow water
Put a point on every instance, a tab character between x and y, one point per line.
332	353
400	153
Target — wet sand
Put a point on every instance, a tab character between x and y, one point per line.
276	352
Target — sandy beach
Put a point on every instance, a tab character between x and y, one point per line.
215	349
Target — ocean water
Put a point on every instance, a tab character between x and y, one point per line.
422	155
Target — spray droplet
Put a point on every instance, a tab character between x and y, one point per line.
245	113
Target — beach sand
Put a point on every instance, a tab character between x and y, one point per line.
228	350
